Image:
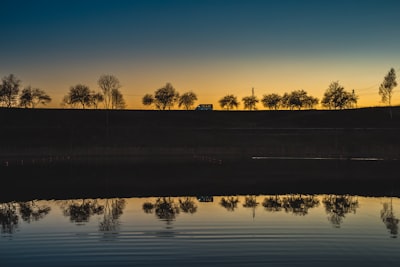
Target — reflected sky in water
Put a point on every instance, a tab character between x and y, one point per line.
300	230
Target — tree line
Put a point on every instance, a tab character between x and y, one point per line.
166	97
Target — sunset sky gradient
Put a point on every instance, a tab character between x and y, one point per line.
212	47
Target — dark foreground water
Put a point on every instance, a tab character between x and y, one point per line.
274	230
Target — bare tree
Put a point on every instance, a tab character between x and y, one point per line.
229	102
31	97
250	102
271	101
117	99
108	83
96	98
9	89
187	100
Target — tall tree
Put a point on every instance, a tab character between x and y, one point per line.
9	89
117	99
335	97
165	97
387	86
271	101
108	83
229	102
250	102
187	100
78	94
31	97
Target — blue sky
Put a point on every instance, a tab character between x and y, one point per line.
210	47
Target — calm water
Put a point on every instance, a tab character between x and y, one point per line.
285	230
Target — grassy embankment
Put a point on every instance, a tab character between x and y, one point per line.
73	152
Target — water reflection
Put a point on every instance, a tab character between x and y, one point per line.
187	205
164	208
273	203
251	202
389	219
8	217
229	203
32	211
338	206
299	204
113	209
80	211
139	227
295	204
11	212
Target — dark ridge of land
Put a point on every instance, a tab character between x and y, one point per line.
60	153
29	133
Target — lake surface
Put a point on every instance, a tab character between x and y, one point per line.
275	230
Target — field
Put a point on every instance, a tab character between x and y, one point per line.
49	153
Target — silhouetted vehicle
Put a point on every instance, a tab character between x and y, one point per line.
205	198
204	107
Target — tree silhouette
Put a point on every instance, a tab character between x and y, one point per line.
250	102
108	83
78	94
298	204
8	217
335	97
338	206
113	210
148	100
273	203
117	100
187	205
96	99
165	97
387	86
31	211
9	89
271	101
229	203
229	102
389	219
31	97
80	212
298	99
187	100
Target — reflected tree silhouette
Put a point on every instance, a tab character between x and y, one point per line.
113	209
251	202
187	205
30	211
273	203
338	206
229	203
165	209
299	204
389	219
8	217
148	207
80	212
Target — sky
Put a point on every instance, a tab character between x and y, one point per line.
210	47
